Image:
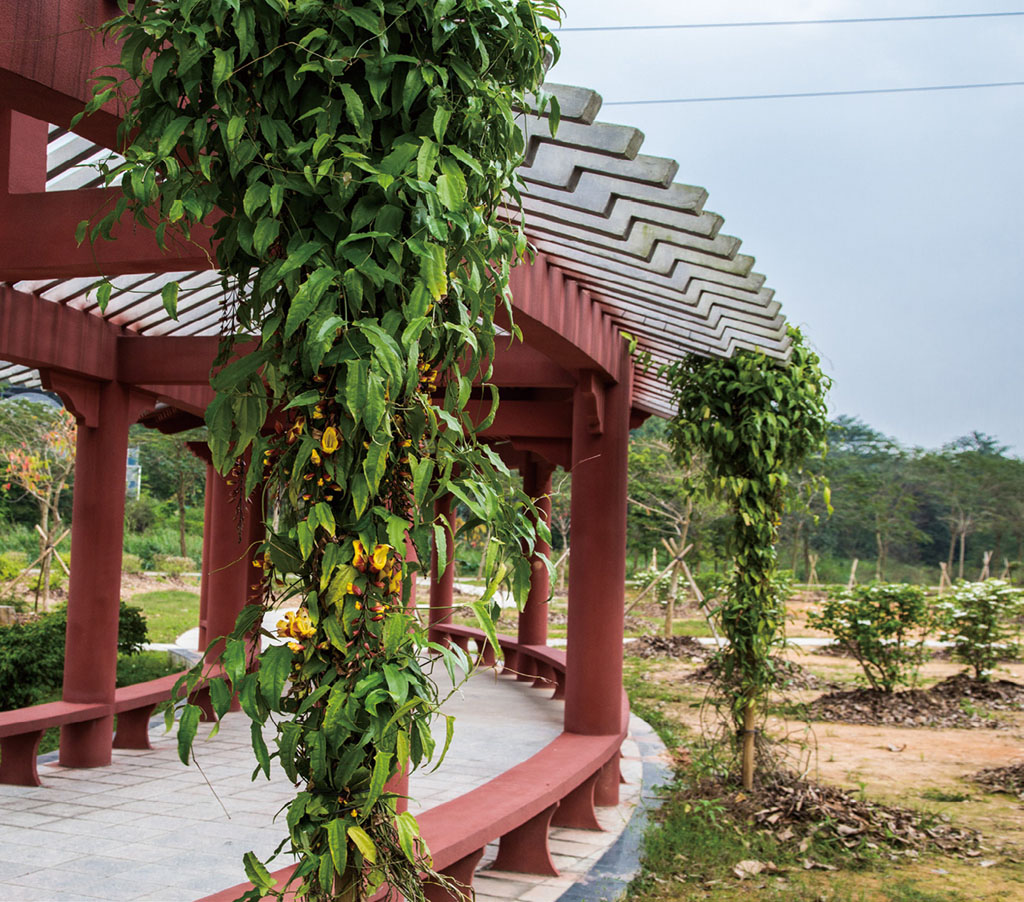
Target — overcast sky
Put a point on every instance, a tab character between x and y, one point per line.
889	226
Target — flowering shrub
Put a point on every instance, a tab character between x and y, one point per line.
976	618
883	625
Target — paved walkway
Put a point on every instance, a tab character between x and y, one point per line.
147	828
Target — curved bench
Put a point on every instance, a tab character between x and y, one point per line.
559	785
22	729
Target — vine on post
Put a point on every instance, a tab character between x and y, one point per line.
755	420
353	158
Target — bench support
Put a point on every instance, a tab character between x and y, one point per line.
18	759
525	849
133	728
577	808
462	873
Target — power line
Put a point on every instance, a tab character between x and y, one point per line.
789	22
994	84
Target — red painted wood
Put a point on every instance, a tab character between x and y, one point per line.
18	759
525	849
37	239
577	808
94	593
533	621
22	153
598	564
555	319
38	333
462	873
609	779
228	572
47	56
442	585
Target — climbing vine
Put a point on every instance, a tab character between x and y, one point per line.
755	421
352	159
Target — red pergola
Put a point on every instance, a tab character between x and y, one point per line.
620	248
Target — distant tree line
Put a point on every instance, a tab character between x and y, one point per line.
899	511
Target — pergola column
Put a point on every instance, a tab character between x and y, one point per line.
228	549
533	620
442	585
104	412
600	449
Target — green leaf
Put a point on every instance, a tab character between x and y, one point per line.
451	187
408	832
265	234
258	875
169	295
233	132
433	269
275	667
441	119
337	841
187	726
375	464
307	297
234	659
220	697
361	840
259	747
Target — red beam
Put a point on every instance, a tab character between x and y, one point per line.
38	333
562	322
165	360
48	54
37	239
535	419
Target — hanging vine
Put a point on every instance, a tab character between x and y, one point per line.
755	421
353	158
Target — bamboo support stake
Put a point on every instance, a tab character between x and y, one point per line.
853	574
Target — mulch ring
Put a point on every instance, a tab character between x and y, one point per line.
670	647
957	701
796	810
788	675
1009	779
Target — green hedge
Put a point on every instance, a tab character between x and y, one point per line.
32	654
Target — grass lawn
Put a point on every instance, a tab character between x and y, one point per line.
169	612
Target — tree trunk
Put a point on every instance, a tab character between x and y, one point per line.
749	744
963	540
796	545
880	559
670	607
181	516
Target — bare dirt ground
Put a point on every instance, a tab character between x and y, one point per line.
925	769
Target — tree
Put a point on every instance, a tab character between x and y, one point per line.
755	421
171	470
37	454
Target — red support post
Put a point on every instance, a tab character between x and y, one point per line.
228	573
533	620
97	529
593	696
442	585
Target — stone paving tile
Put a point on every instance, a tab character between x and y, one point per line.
136	821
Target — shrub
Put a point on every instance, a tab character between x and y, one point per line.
8	569
172	564
883	625
131	630
977	619
140	514
32	654
131	563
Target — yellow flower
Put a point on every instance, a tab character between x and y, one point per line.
395	584
296	647
380	557
314	456
359	560
296	625
330	442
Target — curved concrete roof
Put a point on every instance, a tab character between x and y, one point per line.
610	218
